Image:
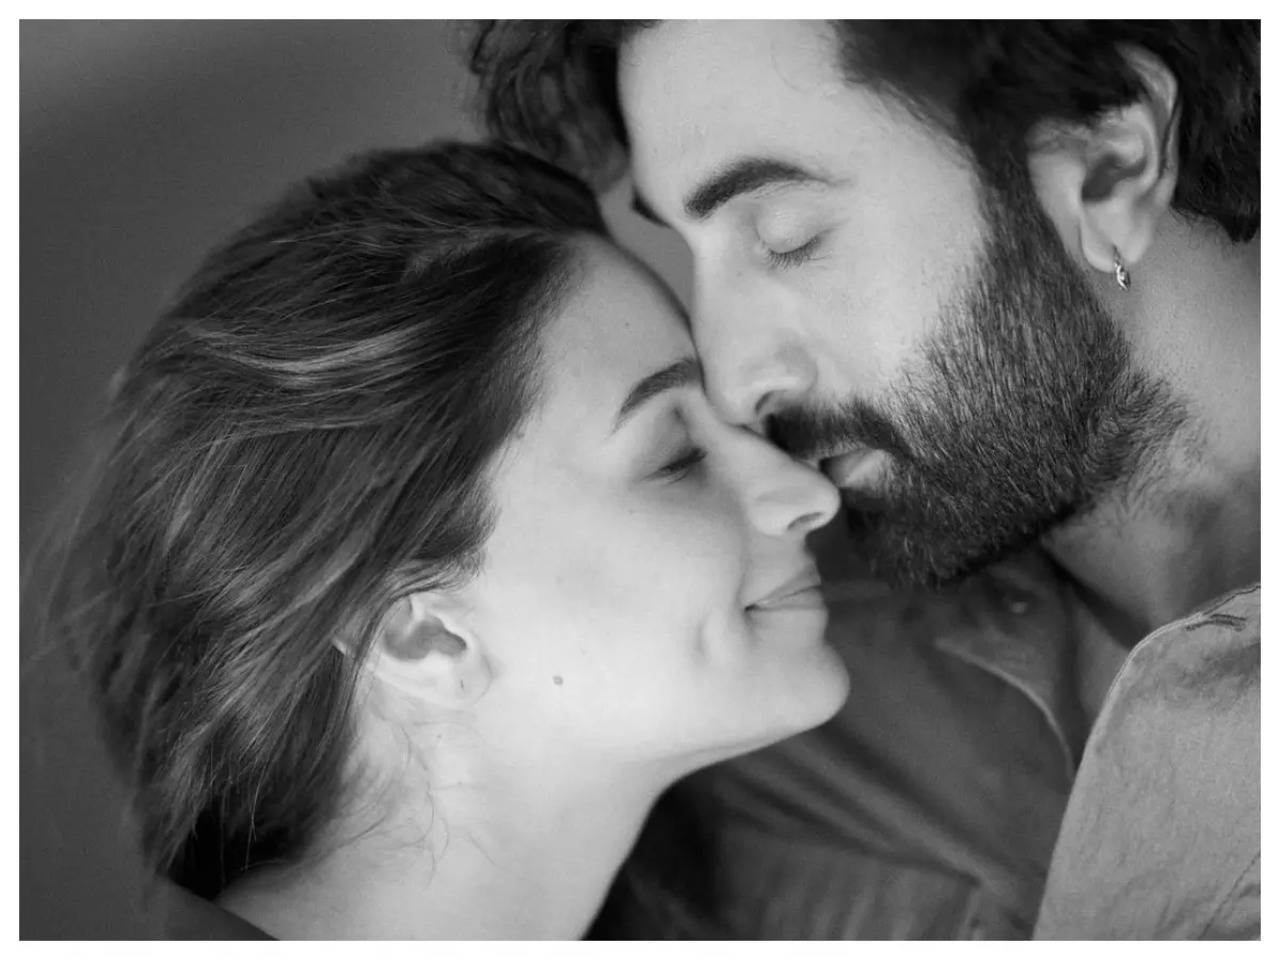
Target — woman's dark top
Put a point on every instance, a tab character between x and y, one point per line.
188	917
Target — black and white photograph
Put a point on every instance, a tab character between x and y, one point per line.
711	480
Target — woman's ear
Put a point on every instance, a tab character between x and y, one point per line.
423	649
1106	186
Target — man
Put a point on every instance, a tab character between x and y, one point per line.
1002	281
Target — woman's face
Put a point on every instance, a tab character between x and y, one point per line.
647	595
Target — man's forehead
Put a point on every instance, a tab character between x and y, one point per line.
696	92
662	87
725	63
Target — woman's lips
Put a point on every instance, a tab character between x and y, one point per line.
801	591
809	598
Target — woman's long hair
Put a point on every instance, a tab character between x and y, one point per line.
303	436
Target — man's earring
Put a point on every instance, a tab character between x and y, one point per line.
1121	271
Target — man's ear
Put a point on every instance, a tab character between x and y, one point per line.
423	649
1106	186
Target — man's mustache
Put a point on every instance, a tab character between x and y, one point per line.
808	433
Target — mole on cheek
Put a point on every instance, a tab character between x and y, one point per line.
558	680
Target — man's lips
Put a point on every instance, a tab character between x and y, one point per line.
854	467
801	590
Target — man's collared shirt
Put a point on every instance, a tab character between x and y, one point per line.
1162	835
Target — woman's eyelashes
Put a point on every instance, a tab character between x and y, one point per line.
682	465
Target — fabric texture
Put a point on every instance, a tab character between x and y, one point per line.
1162	835
184	916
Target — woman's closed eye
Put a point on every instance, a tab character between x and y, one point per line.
682	465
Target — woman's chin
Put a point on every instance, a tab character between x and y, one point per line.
811	696
820	694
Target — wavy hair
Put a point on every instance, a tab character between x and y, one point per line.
551	86
303	437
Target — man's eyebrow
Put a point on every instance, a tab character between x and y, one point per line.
742	176
682	373
641	206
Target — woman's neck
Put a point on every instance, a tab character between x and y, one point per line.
522	855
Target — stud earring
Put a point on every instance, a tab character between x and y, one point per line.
1121	271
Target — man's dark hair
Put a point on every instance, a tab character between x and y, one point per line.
302	438
551	86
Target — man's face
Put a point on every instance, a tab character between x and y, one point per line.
862	293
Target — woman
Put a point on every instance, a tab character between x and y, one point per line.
418	565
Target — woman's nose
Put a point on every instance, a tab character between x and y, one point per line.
790	498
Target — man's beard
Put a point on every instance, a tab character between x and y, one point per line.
1024	410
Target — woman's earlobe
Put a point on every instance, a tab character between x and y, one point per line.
423	650
419	637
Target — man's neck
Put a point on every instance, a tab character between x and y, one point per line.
495	858
1142	568
1186	529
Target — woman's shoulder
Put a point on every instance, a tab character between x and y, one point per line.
185	916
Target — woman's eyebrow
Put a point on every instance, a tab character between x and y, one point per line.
684	372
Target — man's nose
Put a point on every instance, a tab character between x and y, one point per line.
752	363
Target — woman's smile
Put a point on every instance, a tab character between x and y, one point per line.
800	591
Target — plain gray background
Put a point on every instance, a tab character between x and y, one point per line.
141	144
